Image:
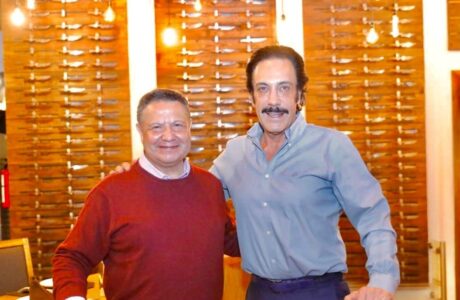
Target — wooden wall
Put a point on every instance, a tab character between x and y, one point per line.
375	94
67	94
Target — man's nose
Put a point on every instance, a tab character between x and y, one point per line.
168	133
273	98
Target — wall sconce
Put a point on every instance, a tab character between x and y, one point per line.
109	13
17	17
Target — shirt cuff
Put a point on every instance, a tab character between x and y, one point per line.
384	281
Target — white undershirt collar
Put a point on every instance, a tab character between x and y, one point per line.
149	167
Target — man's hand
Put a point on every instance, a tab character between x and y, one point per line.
370	293
125	166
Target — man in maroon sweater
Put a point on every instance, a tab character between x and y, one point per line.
161	228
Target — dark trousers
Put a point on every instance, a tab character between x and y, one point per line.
330	286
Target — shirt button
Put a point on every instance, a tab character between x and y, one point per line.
273	260
268	232
267	175
265	204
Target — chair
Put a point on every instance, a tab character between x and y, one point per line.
15	265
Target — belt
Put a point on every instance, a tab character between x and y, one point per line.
289	285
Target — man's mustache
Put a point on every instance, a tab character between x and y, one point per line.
274	109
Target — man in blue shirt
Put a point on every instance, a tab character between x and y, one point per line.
290	181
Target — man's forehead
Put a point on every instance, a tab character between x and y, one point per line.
161	107
275	60
274	67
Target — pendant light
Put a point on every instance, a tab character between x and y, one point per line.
109	13
169	35
17	17
372	36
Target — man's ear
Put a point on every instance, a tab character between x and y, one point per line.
139	130
300	100
253	101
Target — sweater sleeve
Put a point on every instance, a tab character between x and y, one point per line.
84	247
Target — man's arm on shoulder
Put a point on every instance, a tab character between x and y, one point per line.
123	167
231	246
216	173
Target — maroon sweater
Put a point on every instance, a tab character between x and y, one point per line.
159	239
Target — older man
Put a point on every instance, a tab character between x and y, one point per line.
159	228
290	181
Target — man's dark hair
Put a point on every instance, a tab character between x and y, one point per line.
157	95
283	52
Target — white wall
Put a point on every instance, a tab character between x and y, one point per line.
439	63
142	59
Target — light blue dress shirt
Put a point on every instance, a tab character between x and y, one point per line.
288	208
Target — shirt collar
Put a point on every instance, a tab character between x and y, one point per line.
150	168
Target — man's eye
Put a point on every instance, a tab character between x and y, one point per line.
285	88
262	89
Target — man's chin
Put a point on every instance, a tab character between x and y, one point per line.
275	128
277	121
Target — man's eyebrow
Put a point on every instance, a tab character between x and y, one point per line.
276	83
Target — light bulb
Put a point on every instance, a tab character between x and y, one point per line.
197	5
109	14
17	17
30	4
169	36
372	36
395	25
